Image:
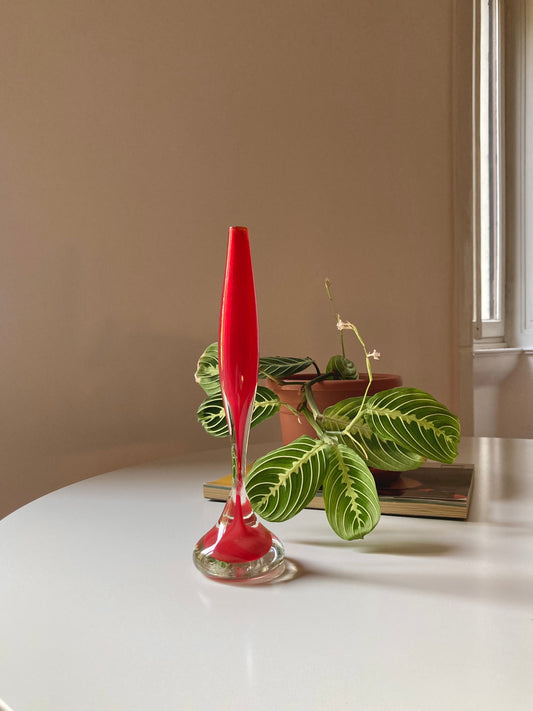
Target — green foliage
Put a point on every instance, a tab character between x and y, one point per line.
350	496
394	430
207	370
415	420
379	453
283	482
277	368
342	368
212	415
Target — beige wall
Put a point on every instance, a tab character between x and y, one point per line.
503	393
134	132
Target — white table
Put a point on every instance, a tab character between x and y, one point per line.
102	608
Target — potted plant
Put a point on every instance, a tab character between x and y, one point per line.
339	381
392	429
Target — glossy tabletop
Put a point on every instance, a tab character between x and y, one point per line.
102	609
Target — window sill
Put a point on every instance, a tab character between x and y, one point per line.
502	351
492	366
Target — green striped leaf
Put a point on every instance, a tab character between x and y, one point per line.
338	416
266	405
212	416
384	454
207	370
282	483
380	454
350	495
416	421
277	367
342	368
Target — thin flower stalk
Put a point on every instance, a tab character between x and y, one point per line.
337	317
347	325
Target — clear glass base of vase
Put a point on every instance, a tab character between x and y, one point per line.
261	570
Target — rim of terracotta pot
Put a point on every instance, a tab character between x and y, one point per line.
294	382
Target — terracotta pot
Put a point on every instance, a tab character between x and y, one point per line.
328	392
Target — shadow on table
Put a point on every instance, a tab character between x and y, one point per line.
479	585
407	548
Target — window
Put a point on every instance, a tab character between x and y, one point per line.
503	110
489	254
519	181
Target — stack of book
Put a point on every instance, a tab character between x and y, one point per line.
434	490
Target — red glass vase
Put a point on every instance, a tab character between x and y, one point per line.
238	547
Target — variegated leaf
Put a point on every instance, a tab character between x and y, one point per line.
350	495
212	416
338	416
384	453
416	421
266	405
380	453
342	367
207	370
280	367
277	367
282	483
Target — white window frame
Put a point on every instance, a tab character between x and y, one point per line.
519	182
489	171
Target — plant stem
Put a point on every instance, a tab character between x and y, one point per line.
324	436
291	409
337	317
309	416
321	376
369	371
310	400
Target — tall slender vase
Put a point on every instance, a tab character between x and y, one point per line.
238	547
